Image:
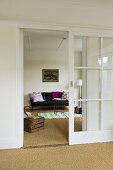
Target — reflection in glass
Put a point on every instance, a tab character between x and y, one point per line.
104	60
107	52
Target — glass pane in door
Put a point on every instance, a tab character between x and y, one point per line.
93	50
87	117
78	51
107	115
93	84
107	52
87	84
107	84
93	115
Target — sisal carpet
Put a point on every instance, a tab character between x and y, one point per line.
55	132
79	157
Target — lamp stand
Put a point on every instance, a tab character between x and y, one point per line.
80	95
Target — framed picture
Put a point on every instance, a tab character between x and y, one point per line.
50	75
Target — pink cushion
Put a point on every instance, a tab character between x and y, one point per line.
65	95
56	94
37	97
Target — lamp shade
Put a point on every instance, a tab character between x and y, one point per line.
79	82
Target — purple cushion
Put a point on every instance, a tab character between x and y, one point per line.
56	94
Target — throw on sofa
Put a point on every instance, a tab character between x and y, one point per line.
49	99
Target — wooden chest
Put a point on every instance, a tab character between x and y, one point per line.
33	125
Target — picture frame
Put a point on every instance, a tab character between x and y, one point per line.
50	75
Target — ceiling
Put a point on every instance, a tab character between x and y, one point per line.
44	39
48	44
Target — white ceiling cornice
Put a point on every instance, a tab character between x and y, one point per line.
58	26
34	25
99	30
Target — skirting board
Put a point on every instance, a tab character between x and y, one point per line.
10	143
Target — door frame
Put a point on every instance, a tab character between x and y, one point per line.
74	137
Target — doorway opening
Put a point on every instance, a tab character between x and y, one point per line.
104	71
45	84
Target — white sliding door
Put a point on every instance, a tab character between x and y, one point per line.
91	89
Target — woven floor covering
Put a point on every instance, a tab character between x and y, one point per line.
55	132
77	157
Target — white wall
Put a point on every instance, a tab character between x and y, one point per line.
8	112
33	77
